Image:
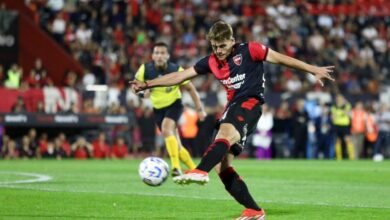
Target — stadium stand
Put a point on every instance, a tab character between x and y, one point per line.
89	50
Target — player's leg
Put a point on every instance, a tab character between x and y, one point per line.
184	155
338	148
239	120
237	188
213	155
168	128
226	135
343	145
350	148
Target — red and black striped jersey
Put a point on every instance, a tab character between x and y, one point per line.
241	73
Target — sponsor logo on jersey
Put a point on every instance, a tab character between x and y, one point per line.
234	82
237	59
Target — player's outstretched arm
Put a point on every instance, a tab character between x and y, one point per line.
171	79
319	72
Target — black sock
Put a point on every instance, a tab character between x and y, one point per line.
214	154
237	188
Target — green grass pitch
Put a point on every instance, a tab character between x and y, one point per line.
113	190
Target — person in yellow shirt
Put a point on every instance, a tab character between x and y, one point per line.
14	76
167	104
341	120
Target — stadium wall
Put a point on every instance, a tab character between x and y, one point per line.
35	43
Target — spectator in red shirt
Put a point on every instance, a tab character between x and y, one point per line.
119	35
42	144
32	80
81	149
119	149
64	144
100	147
45	80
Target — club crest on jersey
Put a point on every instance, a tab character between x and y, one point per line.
237	59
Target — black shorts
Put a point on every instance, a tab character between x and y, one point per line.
243	114
342	131
173	112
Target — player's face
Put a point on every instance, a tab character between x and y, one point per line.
222	49
160	56
340	101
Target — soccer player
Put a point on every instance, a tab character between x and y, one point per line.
239	67
167	104
341	120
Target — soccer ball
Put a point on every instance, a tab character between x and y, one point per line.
378	158
153	171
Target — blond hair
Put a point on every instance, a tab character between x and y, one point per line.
220	31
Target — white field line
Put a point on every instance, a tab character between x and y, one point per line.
192	197
36	177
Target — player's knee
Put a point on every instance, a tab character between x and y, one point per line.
167	132
229	133
168	127
236	149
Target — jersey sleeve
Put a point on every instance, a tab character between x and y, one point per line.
257	51
140	74
202	66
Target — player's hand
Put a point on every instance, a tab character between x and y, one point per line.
324	73
201	114
144	94
137	86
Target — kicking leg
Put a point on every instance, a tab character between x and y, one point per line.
227	134
215	153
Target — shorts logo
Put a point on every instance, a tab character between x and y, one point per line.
244	131
237	59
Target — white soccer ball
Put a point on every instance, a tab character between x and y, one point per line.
153	171
378	158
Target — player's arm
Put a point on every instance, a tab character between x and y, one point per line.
190	88
171	79
319	72
140	76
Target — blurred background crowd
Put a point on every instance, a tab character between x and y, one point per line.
111	39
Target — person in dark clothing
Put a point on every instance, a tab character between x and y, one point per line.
300	133
148	132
